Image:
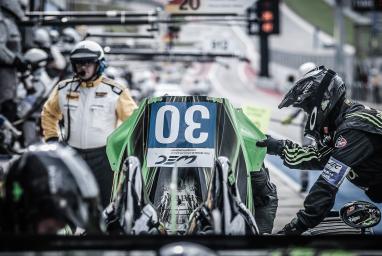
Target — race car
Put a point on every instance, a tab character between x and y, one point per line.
195	155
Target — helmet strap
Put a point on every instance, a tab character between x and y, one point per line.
101	67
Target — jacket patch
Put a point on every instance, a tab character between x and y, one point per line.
117	90
335	172
73	96
341	142
115	87
100	94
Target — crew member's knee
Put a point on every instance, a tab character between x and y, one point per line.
265	200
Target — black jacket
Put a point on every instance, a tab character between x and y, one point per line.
354	151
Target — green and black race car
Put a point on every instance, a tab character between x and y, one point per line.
201	145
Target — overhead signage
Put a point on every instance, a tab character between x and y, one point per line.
208	6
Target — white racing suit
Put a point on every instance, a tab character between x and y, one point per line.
354	153
91	111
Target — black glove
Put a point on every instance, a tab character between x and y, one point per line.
20	63
295	227
274	147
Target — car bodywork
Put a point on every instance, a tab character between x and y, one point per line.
230	134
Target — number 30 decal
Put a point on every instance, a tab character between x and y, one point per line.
175	124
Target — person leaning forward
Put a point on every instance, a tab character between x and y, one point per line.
92	106
348	145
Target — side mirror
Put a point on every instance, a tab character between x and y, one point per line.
360	214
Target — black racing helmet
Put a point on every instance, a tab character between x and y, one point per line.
50	182
317	92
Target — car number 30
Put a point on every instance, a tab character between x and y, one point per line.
191	125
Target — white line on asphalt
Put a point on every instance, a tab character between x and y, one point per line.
213	79
251	51
242	75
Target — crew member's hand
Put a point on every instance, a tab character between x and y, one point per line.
20	63
295	227
274	147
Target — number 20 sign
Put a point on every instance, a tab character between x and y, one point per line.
181	134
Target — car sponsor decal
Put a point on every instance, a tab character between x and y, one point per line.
187	202
335	171
100	94
341	142
182	134
73	95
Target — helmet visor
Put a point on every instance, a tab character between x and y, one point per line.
84	55
83	58
297	96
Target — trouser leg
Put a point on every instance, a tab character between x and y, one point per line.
265	200
304	178
100	167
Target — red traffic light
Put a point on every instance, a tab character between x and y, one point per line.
267	16
267	27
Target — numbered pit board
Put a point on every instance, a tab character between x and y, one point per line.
182	134
207	6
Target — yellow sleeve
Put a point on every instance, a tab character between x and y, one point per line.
50	115
125	106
